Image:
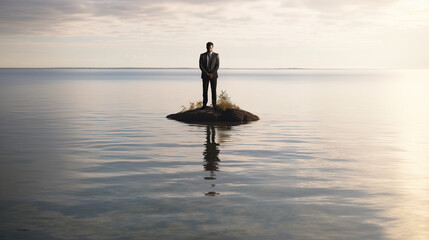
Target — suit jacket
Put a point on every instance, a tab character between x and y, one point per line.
214	66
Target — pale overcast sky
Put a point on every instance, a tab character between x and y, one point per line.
246	33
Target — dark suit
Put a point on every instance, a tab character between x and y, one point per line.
206	68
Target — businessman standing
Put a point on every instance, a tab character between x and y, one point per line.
209	64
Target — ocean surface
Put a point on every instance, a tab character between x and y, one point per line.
337	154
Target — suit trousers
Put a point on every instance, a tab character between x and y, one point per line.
213	83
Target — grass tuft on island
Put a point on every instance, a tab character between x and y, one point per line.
225	111
223	102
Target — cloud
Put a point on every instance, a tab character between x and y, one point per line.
52	16
153	27
135	17
336	5
35	17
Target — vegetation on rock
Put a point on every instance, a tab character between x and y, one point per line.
223	102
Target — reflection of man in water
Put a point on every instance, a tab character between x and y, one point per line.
211	153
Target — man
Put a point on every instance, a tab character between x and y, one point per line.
209	64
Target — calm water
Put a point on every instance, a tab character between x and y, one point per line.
337	154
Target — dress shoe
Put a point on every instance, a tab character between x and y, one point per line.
203	107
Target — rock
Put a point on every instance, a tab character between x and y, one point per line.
211	115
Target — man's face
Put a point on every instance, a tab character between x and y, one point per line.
210	48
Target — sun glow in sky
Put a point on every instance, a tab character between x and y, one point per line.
166	33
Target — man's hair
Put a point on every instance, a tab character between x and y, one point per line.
209	44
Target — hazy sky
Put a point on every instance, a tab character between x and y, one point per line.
246	33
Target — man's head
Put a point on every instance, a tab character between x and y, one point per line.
209	46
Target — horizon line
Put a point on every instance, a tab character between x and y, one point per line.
238	68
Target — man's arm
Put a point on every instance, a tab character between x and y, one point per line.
202	65
217	63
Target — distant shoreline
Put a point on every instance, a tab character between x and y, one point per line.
188	68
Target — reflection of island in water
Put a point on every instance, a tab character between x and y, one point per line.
211	153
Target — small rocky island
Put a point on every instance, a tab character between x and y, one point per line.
225	112
211	115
